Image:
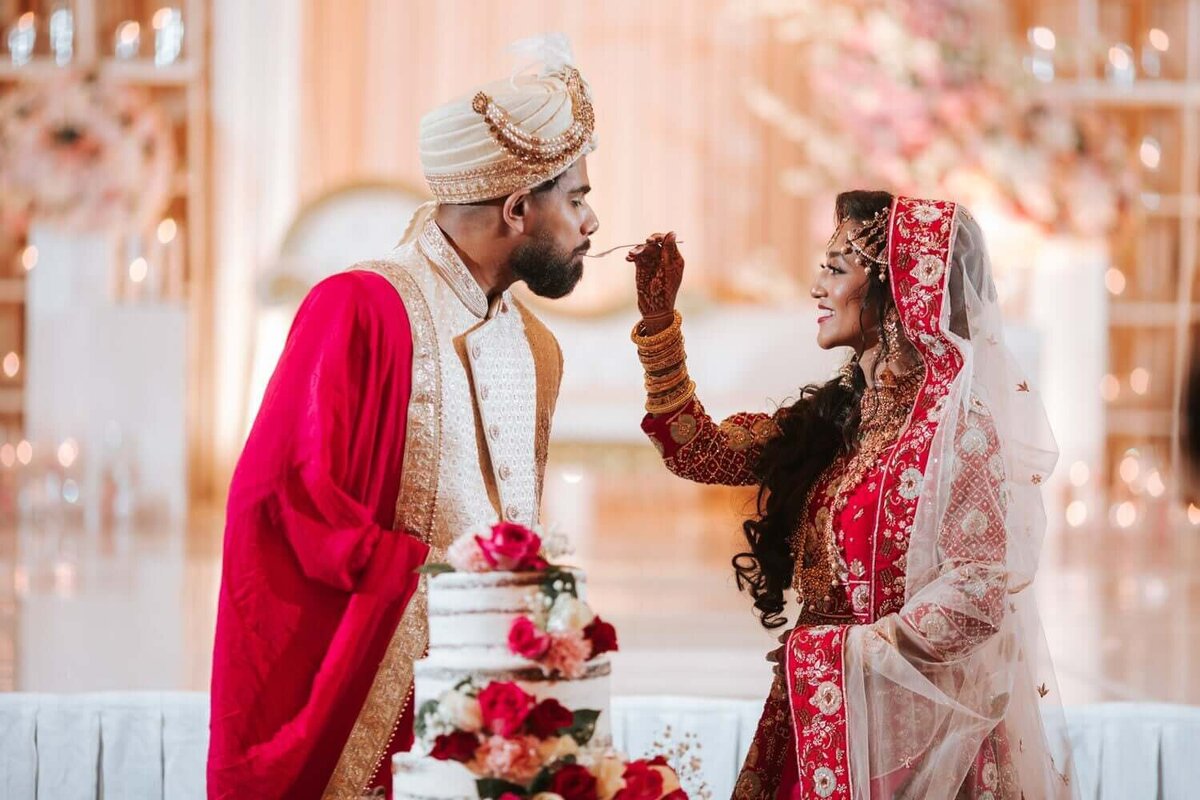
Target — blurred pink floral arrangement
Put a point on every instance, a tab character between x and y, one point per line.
84	155
927	97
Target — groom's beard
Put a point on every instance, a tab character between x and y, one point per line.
547	270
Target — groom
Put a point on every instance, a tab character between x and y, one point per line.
412	403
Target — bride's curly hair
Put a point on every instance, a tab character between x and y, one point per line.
814	430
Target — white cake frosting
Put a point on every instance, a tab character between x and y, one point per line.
469	619
415	777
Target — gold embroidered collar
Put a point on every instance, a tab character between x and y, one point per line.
452	269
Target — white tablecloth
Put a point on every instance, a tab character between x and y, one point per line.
151	745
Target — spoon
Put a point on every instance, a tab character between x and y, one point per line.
603	253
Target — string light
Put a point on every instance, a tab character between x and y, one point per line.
1193	514
1150	152
8	455
1042	37
1114	280
1077	513
1155	485
29	258
68	451
167	228
1080	473
1139	380
1119	56
12	365
1159	40
1130	469
24	452
138	269
1126	514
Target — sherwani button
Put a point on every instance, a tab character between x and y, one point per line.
505	472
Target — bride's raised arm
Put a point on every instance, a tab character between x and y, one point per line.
693	446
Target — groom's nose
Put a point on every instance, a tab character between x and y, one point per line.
591	223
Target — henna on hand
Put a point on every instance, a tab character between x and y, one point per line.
659	275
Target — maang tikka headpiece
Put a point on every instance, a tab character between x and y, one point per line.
868	242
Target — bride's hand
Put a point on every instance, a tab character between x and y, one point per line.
659	274
779	655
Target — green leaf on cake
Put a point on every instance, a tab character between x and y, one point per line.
434	569
494	787
428	709
541	783
584	726
559	581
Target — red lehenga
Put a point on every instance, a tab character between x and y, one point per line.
910	672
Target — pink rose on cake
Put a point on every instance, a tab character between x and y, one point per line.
516	759
464	555
568	655
527	640
512	547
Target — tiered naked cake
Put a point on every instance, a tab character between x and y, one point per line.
513	698
471	616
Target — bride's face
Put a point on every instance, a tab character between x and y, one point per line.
840	290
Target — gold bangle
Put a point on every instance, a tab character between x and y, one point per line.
673	401
665	384
656	340
664	362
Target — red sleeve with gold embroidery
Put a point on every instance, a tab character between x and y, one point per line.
696	448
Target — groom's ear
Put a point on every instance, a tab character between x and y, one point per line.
515	211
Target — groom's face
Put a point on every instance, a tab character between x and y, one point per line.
561	222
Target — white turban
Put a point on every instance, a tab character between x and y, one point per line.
512	134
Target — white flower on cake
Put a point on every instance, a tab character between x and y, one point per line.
553	750
461	711
569	613
609	770
555	544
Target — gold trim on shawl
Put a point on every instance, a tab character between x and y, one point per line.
391	690
547	366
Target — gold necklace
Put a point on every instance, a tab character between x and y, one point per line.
884	409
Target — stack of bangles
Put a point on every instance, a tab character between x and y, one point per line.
668	387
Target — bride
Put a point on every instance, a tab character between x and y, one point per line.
901	503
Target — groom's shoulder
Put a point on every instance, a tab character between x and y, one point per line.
362	292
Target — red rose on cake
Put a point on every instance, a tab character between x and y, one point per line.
527	640
505	707
512	547
457	746
602	635
650	780
574	782
548	718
